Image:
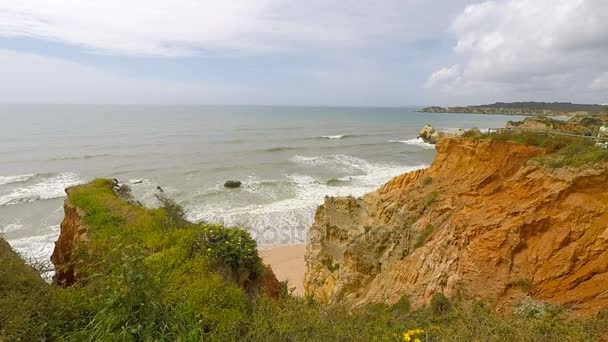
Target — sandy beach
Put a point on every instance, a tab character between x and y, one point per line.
287	262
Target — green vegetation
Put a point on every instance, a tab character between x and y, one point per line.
430	200
523	108
328	263
523	284
145	275
561	150
424	235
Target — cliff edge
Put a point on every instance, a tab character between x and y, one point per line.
481	223
103	228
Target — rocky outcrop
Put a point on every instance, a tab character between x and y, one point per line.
73	232
586	126
429	135
482	222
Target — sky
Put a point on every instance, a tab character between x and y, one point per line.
314	52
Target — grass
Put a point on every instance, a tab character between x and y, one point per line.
328	262
562	151
424	235
523	284
148	276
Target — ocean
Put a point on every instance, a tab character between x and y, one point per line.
288	158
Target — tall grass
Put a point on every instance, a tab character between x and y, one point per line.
562	150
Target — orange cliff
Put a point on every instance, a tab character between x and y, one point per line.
481	223
73	232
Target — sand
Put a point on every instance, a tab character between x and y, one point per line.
288	264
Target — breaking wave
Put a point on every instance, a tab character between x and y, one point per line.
415	142
46	186
290	203
15	179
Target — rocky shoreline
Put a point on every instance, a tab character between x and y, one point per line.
524	108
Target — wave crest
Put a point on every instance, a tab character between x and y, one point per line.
16	179
50	186
415	142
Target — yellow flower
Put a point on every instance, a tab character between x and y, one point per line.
416	340
411	332
406	337
208	249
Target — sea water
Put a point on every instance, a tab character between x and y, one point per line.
288	158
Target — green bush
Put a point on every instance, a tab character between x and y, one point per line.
440	304
232	247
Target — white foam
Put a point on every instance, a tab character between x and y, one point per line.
286	221
139	181
339	162
15	179
339	136
38	247
51	187
415	142
11	227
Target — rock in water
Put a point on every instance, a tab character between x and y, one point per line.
232	184
429	135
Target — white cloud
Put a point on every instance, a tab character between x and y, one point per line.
185	27
601	82
444	76
528	49
31	78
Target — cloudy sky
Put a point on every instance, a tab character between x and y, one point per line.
314	52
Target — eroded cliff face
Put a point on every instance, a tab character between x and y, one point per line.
482	222
73	232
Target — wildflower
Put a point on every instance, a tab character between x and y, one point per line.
406	337
208	249
416	339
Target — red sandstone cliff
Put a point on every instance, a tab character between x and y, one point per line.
482	222
73	232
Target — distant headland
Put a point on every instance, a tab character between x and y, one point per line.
524	108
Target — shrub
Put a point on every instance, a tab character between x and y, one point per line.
232	247
175	213
424	235
328	262
440	304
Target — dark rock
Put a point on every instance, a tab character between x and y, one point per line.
159	189
232	184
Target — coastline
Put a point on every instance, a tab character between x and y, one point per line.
288	264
